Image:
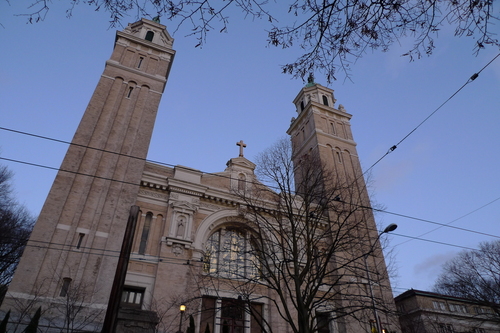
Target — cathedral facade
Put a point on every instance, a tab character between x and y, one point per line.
298	254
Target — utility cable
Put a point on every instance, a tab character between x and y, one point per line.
80	145
357	205
453	221
472	78
116	253
433	241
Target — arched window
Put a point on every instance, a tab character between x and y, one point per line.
231	253
241	182
325	100
145	233
339	157
65	287
149	36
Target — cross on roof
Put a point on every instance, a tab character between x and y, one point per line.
242	145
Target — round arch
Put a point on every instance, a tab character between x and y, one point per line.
212	223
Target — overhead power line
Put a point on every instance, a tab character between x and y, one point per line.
433	241
361	206
394	147
472	78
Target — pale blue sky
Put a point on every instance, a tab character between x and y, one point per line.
232	90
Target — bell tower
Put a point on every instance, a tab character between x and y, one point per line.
322	130
77	237
322	127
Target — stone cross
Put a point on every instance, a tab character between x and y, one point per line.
242	145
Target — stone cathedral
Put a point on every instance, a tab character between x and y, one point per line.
194	234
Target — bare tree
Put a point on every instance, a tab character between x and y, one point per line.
473	274
72	311
15	228
306	251
330	33
77	308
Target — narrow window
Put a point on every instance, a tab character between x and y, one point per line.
241	182
140	62
65	287
302	106
80	240
149	36
325	100
323	322
339	158
145	233
129	92
332	127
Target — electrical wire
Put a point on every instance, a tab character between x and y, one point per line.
471	79
394	147
453	221
357	205
116	253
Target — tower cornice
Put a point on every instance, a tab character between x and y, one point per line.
140	41
317	108
116	64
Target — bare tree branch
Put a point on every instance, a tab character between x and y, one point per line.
474	275
331	34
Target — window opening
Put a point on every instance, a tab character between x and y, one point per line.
458	308
229	253
65	287
132	297
325	100
323	322
302	106
339	157
446	328
140	62
149	36
80	240
439	305
145	233
332	126
129	91
241	182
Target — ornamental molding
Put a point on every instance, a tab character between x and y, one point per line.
210	206
184	206
152	194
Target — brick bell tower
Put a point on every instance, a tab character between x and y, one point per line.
77	237
322	129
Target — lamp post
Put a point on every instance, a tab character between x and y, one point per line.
389	228
182	308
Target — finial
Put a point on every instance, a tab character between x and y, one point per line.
310	81
156	19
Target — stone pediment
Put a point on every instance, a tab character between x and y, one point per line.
184	206
240	164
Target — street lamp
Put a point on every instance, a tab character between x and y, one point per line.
182	308
389	228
